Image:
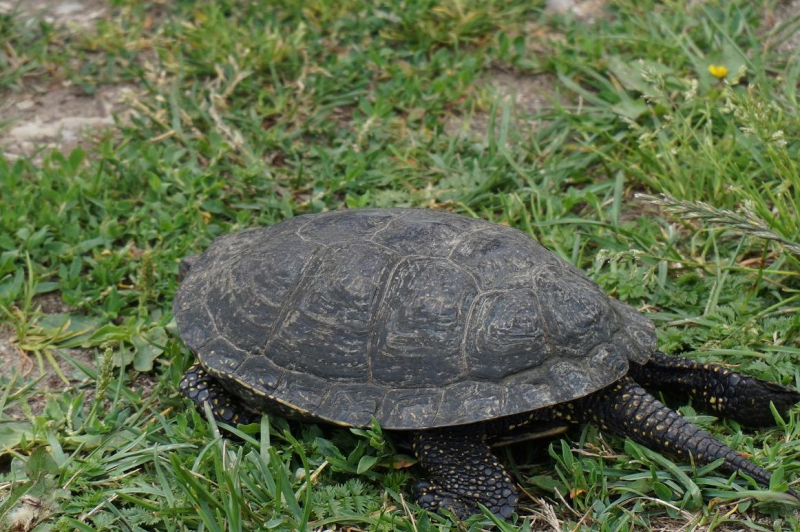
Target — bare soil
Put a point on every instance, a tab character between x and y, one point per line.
587	10
57	116
26	365
784	13
51	303
14	361
528	94
73	13
61	118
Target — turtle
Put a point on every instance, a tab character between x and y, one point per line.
453	332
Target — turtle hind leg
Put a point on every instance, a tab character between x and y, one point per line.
718	389
464	472
200	387
628	410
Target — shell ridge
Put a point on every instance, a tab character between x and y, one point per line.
311	219
439	406
313	265
380	313
470	315
376	319
463	238
211	319
387	226
468	320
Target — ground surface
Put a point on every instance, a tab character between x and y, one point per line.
133	133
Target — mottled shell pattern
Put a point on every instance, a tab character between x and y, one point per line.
420	318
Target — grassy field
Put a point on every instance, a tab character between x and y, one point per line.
247	113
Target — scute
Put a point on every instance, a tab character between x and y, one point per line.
577	316
569	379
352	404
227	357
326	328
427	233
344	288
259	372
421	325
639	329
419	318
194	320
501	257
467	400
357	226
230	320
411	407
506	335
305	392
271	272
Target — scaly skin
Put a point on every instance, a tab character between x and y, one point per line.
199	387
628	410
464	472
717	389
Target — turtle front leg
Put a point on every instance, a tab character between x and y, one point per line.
200	387
628	410
732	394
464	472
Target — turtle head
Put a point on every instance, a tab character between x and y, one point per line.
186	264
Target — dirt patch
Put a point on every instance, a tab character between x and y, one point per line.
12	358
59	118
27	368
52	303
56	116
528	94
783	14
71	13
588	10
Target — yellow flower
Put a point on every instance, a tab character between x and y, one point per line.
718	71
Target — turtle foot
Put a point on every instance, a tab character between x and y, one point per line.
200	387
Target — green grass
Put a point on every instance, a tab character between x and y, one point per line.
252	112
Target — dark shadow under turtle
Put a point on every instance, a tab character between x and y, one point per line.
454	330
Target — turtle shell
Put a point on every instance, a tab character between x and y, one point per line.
419	318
